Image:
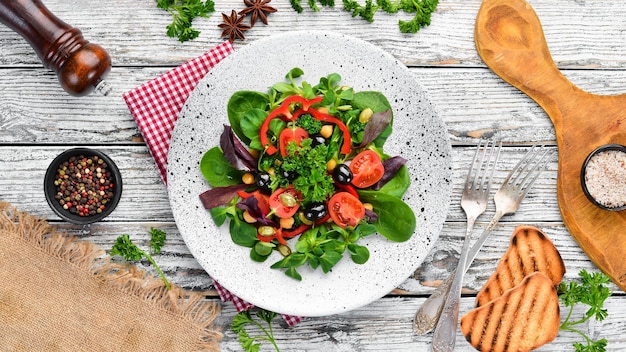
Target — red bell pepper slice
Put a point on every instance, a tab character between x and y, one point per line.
295	232
280	235
345	147
284	112
346	188
323	219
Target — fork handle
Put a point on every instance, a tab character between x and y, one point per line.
429	312
473	252
444	338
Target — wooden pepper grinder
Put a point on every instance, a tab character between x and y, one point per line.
79	65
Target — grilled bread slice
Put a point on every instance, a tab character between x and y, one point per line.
523	318
530	250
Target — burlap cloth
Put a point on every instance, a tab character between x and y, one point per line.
59	293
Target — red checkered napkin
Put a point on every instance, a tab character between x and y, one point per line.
155	106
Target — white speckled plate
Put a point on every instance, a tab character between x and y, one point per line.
419	135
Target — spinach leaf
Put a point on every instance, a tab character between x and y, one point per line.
371	99
242	233
250	125
396	220
217	170
398	184
240	103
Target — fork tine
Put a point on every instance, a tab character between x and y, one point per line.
493	163
541	164
481	176
481	167
522	165
531	164
468	184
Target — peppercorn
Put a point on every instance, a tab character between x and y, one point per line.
83	185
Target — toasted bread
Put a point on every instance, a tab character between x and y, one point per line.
530	250
523	318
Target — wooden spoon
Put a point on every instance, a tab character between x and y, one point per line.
510	40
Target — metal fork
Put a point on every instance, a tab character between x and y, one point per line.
474	202
507	199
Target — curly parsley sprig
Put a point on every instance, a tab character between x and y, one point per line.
591	291
251	343
183	13
422	10
124	247
309	163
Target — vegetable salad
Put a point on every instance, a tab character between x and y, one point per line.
301	171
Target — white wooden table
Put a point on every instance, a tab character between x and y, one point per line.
38	120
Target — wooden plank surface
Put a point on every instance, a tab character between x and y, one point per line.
38	120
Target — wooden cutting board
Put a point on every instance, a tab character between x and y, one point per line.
510	40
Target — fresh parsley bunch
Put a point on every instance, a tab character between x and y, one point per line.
591	291
183	12
124	247
422	9
309	163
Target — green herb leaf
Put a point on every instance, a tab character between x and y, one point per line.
591	291
244	319
398	185
124	247
360	254
329	259
421	8
366	11
251	125
220	214
239	104
157	240
296	5
243	233
183	13
396	220
309	123
217	170
309	164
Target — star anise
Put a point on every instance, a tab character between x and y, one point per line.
233	27
258	9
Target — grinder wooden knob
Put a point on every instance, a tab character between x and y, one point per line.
79	65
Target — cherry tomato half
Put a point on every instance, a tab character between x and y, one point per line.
367	169
345	209
285	202
289	134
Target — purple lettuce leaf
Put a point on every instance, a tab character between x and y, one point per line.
391	165
251	204
375	126
235	152
371	215
218	196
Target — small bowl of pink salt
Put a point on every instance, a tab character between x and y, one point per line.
603	177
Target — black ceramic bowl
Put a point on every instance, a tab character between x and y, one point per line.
112	193
603	148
